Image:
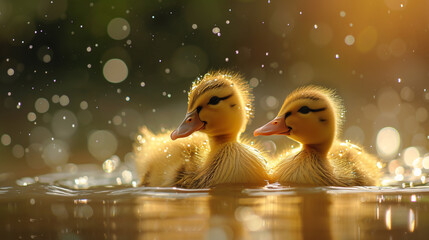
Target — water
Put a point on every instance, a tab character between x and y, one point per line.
55	206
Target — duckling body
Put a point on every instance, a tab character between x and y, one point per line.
305	167
234	162
353	166
162	162
206	149
313	116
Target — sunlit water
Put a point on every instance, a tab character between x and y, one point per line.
89	203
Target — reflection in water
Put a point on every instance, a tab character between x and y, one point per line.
43	211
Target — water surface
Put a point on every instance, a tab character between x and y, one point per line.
66	206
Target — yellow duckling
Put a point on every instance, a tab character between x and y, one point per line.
219	106
313	117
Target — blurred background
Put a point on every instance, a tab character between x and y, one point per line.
78	78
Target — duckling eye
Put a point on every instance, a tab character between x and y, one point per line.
304	110
214	100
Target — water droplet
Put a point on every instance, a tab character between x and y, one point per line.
111	164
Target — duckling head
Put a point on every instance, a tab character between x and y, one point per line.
310	115
219	104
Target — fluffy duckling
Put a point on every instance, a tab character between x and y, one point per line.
219	107
161	162
313	117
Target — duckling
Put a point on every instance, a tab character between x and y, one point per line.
161	162
207	148
313	116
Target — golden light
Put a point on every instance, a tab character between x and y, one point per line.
388	142
411	220
410	154
389	219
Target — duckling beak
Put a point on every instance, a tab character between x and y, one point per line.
276	126
191	124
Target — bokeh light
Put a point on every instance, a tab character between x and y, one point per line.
56	153
55	98
102	144
115	70
64	100
118	28
6	139
31	116
84	105
426	162
349	40
10	72
388	142
410	154
18	151
64	123
41	105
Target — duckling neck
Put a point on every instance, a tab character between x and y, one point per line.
321	149
217	141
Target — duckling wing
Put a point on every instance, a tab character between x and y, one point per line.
162	162
353	166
